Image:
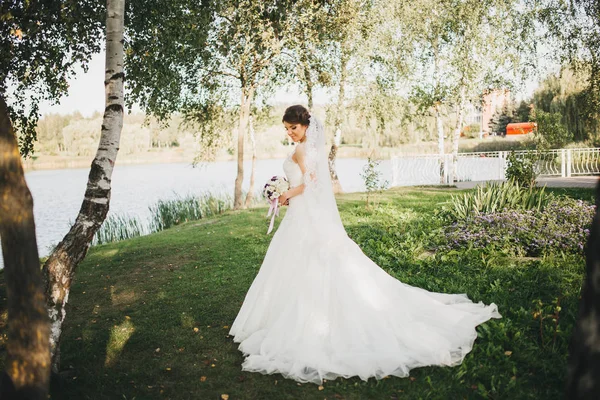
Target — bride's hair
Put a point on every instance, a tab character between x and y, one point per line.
296	115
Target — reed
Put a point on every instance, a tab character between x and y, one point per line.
119	227
166	214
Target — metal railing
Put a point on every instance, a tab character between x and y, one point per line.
432	169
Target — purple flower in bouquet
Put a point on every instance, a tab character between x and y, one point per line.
275	187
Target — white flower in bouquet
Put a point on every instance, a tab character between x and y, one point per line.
274	188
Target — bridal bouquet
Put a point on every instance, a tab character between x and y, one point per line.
273	189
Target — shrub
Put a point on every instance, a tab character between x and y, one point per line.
472	131
521	168
495	197
372	178
552	133
563	226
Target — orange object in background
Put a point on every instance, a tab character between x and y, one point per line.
520	128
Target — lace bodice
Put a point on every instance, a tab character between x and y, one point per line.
292	171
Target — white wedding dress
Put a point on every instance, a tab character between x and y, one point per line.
319	308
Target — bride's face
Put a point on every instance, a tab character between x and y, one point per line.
296	132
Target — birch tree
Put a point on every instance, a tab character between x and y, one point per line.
386	63
347	24
427	26
60	267
40	43
464	47
310	46
251	133
489	40
228	51
248	37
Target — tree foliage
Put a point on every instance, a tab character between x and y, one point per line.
566	93
551	132
501	118
41	42
574	28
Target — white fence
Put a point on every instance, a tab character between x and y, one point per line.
433	169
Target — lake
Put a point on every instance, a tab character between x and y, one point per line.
57	194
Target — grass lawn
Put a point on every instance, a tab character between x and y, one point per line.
148	317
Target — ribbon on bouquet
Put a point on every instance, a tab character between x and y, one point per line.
275	210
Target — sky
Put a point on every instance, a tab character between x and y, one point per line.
86	92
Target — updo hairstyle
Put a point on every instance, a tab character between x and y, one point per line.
296	115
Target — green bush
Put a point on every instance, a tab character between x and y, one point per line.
521	169
551	132
472	131
372	178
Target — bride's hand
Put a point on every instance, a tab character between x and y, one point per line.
284	200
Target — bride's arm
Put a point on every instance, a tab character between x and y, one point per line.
299	154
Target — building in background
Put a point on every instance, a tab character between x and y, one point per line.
472	114
481	114
491	101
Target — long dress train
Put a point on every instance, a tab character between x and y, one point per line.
319	308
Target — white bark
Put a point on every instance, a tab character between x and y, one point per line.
457	130
440	133
337	187
61	265
250	194
337	137
246	101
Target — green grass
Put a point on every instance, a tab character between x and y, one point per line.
148	317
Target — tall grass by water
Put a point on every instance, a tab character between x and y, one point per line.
166	214
119	227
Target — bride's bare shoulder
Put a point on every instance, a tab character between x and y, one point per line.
301	149
298	156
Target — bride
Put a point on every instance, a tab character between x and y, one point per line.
320	309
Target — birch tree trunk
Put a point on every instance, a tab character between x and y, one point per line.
337	188
246	100
309	89
250	194
60	267
27	366
440	132
437	108
307	81
583	381
457	130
